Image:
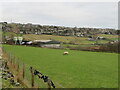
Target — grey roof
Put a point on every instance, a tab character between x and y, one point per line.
42	40
47	41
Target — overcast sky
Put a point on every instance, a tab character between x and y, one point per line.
80	14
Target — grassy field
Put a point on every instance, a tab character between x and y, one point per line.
109	36
69	39
79	69
9	33
66	39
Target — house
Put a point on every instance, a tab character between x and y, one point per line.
47	43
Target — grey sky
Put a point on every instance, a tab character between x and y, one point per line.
80	14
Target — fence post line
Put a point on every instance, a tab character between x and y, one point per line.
18	66
10	58
18	72
5	63
32	73
49	84
13	61
7	57
23	70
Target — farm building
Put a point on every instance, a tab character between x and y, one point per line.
47	43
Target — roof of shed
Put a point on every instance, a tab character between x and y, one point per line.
47	41
42	40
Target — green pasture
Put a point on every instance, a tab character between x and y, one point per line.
79	69
70	39
10	34
111	37
65	39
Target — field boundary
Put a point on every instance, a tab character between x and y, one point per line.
14	65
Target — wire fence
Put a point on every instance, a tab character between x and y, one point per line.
25	74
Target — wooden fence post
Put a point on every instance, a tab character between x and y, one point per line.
7	57
10	58
5	63
23	70
18	67
49	85
13	61
18	72
32	79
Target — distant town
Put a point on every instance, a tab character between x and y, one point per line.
30	28
86	39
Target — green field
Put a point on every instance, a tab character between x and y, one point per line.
69	39
79	69
65	39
